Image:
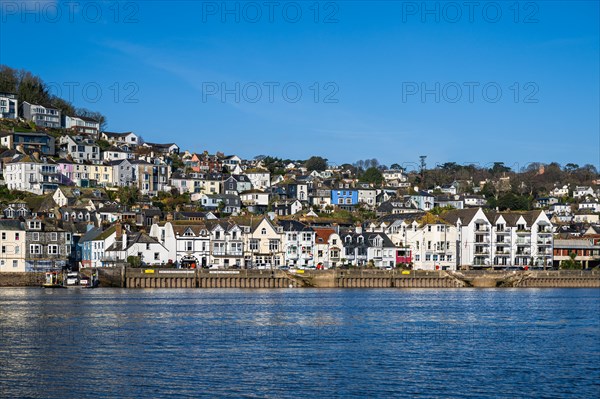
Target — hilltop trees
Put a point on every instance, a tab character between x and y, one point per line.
316	163
372	175
31	88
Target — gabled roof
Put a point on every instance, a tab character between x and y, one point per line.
322	235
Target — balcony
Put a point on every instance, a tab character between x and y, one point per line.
521	242
544	242
524	253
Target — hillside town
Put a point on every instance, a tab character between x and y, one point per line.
74	195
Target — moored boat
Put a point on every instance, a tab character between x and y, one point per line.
53	280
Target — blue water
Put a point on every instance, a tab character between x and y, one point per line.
115	343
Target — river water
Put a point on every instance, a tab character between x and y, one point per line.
299	343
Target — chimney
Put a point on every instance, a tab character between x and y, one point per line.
119	230
124	242
36	155
358	229
20	148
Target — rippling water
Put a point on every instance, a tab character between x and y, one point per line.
113	343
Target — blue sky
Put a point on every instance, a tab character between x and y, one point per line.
389	80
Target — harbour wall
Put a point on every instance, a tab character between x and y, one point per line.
170	278
365	278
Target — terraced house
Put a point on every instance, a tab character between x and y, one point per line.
188	243
12	246
227	245
263	246
47	246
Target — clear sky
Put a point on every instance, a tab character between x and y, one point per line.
462	81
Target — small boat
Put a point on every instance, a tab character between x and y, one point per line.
91	282
53	280
72	279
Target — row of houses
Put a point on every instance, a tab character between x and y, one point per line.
467	238
458	239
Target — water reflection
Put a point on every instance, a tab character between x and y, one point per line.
290	343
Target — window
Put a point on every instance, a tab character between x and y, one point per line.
147	246
35	236
17	249
53	236
427	257
4	235
263	231
156	256
273	245
15	263
189	245
253	244
3	249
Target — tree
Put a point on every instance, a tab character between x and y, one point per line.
128	195
97	116
571	167
65	107
396	166
9	80
134	261
499	169
316	163
372	175
570	263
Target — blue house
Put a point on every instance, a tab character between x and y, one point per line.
344	198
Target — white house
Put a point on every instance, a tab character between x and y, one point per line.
9	105
31	174
118	139
260	178
79	149
40	115
187	243
583	192
82	125
560	191
592	206
141	245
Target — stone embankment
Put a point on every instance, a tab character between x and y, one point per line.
356	278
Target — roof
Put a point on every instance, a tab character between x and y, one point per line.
322	235
91	234
11	225
116	135
575	244
106	233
